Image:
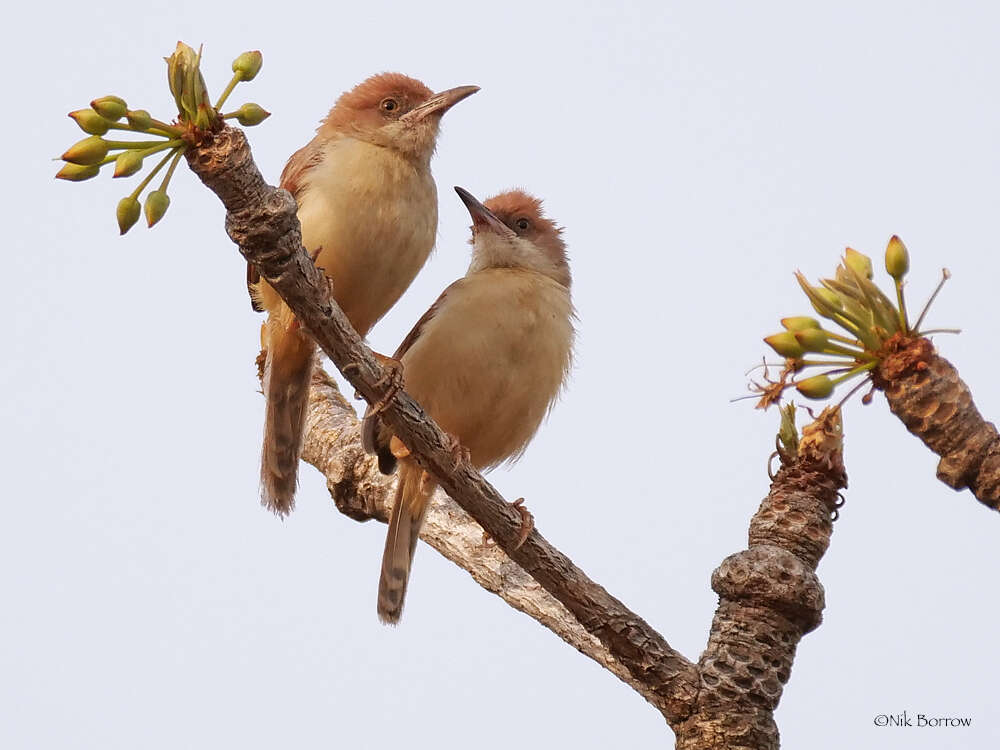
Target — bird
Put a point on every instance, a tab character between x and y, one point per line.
486	361
367	205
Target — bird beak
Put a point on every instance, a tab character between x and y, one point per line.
439	103
482	217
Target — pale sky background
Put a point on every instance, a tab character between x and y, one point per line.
697	154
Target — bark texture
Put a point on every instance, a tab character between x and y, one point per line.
262	221
769	594
769	597
926	393
333	445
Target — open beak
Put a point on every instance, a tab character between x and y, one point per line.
439	103
482	217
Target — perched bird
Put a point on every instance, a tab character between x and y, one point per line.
486	361
367	204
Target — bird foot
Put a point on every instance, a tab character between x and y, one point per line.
459	453
527	525
393	382
527	522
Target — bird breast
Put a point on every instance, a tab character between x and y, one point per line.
490	363
372	213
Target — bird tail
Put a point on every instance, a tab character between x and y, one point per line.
408	512
287	371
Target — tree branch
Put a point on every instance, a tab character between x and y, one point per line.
333	445
262	221
769	594
924	390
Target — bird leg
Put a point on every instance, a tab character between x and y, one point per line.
393	381
459	452
527	525
527	522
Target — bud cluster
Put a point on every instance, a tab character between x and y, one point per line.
196	117
867	319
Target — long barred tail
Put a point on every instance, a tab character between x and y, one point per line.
408	512
288	370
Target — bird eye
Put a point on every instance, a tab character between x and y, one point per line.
389	105
523	224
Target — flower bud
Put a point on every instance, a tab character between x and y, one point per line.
110	107
816	387
139	119
77	172
799	322
90	122
157	203
128	163
785	345
251	114
248	65
812	339
860	263
897	258
128	213
86	152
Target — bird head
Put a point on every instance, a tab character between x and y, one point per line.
394	111
510	231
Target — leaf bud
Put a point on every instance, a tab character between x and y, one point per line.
90	122
251	114
139	119
248	65
897	258
128	163
88	151
785	345
110	107
157	203
77	172
816	387
128	212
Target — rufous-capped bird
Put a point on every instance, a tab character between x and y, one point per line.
367	204
486	362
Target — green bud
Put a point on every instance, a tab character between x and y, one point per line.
110	107
77	172
812	339
785	345
90	122
139	119
251	114
897	258
86	152
816	387
128	213
799	322
830	297
128	163
157	203
248	65
860	263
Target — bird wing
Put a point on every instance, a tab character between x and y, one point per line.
374	437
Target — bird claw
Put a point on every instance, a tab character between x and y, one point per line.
527	525
392	380
527	522
459	453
